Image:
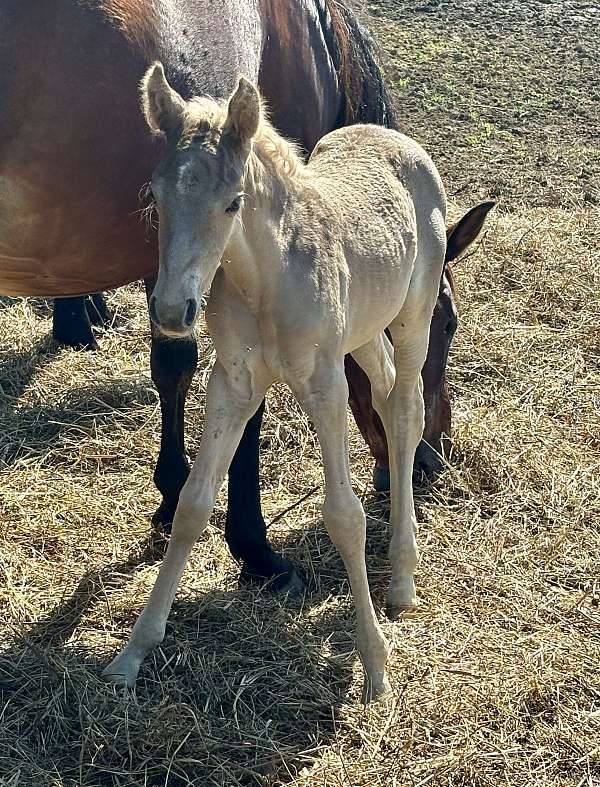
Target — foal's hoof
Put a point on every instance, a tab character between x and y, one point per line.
288	582
394	612
401	605
375	687
401	597
122	671
381	479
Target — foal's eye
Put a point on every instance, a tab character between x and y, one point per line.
235	205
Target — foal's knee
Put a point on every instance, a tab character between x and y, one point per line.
193	512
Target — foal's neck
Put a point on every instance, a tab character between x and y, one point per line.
275	177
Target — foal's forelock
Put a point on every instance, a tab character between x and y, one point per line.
203	123
274	162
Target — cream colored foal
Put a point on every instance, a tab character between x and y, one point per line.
305	263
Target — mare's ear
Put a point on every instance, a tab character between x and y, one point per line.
163	107
243	112
460	235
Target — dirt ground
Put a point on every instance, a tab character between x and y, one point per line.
497	676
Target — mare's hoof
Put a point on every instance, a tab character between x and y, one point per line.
381	479
375	687
162	518
78	340
288	582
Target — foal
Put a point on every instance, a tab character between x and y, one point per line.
305	263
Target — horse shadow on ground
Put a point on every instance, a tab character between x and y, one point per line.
17	369
245	689
33	430
239	687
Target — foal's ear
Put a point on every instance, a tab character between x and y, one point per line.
243	112
460	235
163	106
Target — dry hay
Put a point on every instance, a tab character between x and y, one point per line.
496	678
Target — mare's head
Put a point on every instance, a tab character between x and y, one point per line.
436	437
198	188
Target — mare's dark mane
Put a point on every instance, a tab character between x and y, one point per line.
366	97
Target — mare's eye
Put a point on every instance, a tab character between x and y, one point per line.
235	205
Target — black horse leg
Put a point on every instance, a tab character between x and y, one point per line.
245	529
173	363
71	324
97	309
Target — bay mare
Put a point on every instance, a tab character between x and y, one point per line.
305	264
74	154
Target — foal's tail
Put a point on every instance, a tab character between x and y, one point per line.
366	97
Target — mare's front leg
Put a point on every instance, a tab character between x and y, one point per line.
324	400
173	363
229	405
71	323
95	305
368	422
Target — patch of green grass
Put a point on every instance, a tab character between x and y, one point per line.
507	91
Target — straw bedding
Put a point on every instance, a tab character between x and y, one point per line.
496	677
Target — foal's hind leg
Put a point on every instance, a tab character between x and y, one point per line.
228	408
324	400
398	398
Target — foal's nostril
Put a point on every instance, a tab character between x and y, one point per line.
190	312
152	310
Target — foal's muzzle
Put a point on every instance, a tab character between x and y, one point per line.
172	319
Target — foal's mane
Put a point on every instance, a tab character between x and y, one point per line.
275	161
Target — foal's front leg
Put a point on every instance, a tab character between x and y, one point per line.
229	405
324	401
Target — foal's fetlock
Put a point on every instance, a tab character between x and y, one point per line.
375	687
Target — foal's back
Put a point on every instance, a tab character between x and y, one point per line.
377	205
377	173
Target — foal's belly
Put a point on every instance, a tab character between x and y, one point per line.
377	292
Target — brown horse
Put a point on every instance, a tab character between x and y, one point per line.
74	155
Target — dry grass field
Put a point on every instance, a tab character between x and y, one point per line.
497	676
